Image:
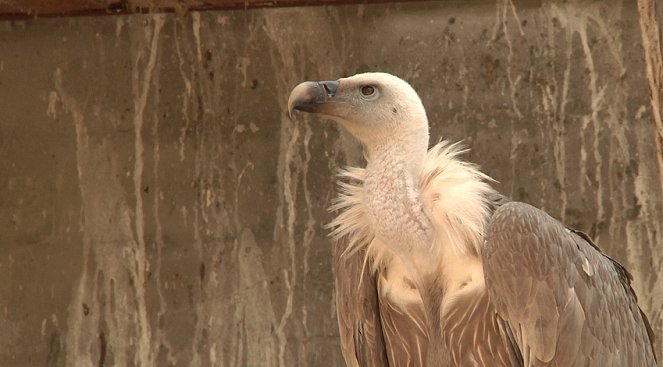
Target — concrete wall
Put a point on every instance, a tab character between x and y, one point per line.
158	207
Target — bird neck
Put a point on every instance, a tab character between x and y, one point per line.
393	204
446	248
402	154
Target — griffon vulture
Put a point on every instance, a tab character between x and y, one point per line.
435	268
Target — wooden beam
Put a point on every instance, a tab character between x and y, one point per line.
652	36
21	9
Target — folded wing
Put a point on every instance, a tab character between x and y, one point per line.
564	301
380	313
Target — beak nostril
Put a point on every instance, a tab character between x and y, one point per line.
327	90
311	96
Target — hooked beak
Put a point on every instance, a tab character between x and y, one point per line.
310	96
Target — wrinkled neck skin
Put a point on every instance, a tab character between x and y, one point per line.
393	200
405	154
391	189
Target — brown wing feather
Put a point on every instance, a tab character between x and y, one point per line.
380	313
565	302
475	333
404	324
358	310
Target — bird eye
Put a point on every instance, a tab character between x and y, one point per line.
367	90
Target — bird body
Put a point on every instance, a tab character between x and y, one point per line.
441	255
434	268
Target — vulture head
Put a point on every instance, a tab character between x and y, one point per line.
378	109
386	115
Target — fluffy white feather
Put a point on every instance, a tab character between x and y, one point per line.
454	197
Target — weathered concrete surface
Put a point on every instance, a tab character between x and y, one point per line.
652	38
158	208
